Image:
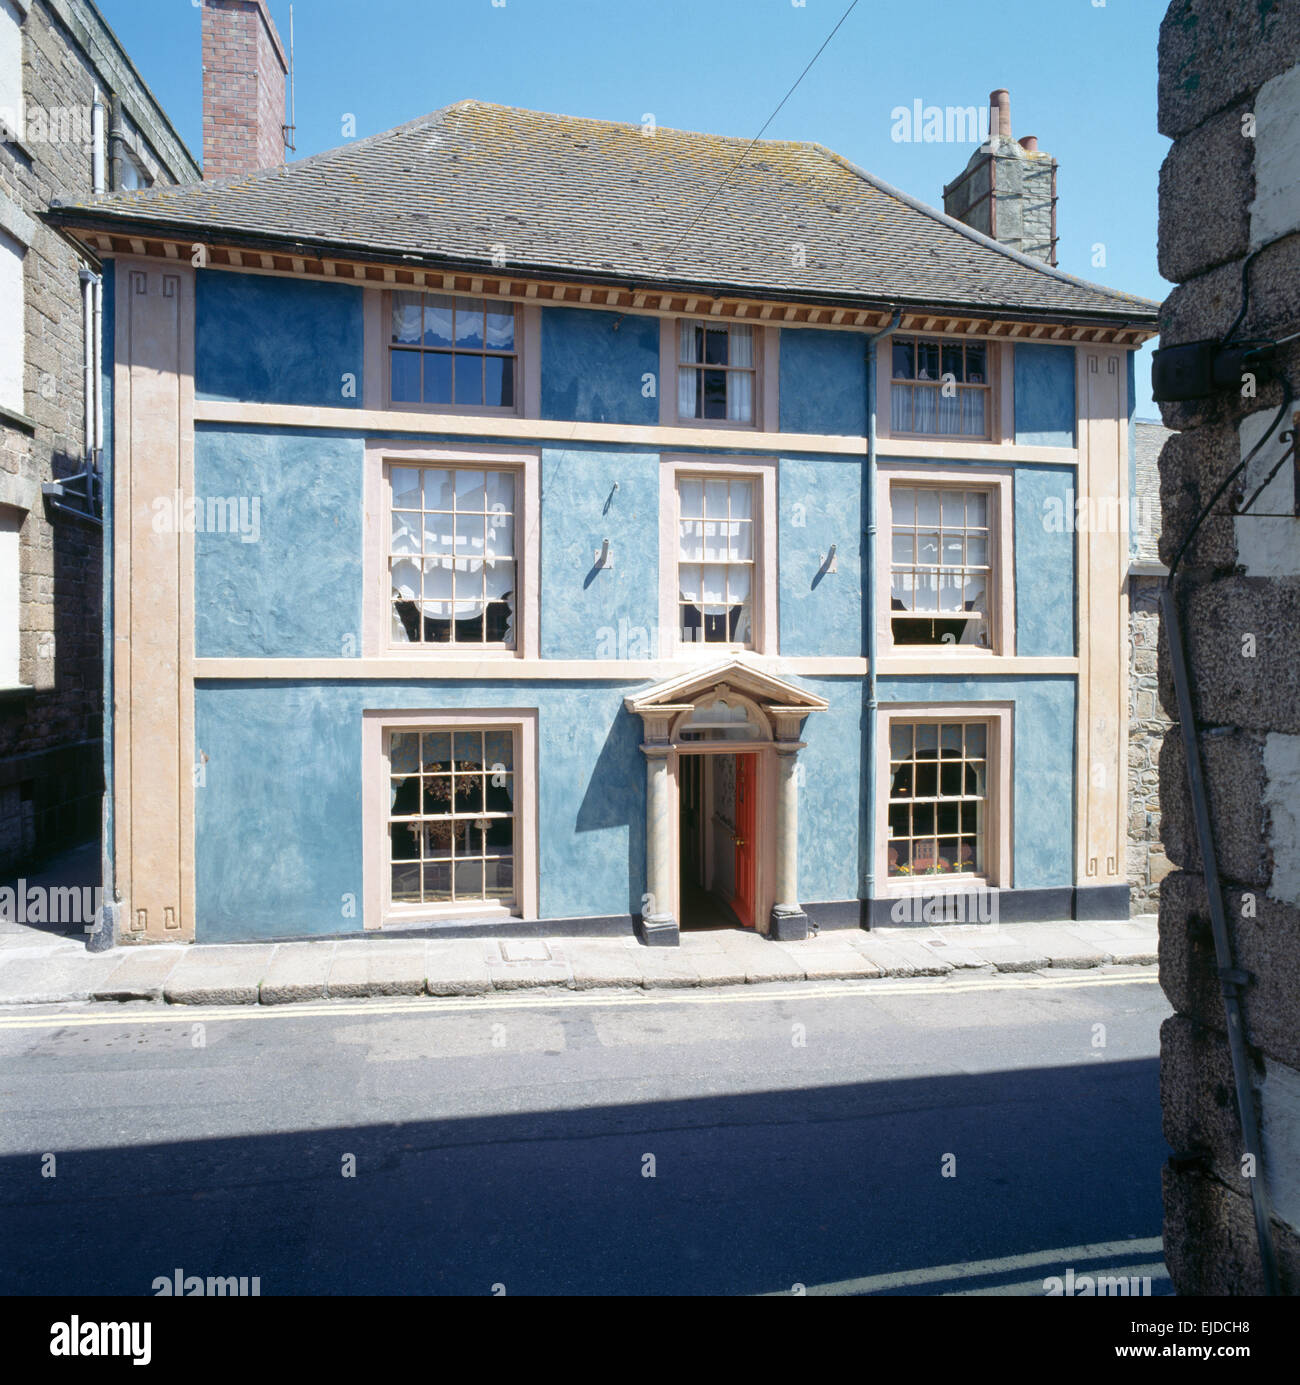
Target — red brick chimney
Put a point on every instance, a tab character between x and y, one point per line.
244	69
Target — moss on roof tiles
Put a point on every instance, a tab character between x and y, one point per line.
588	194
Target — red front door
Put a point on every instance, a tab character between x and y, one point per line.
746	798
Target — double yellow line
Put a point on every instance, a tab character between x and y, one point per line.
157	1013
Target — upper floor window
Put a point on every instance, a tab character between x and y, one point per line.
940	565
452	568
717	372
132	173
12	334
947	559
11	71
455	352
715	561
940	387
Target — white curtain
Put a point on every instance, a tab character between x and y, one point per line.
687	380
406	316
926	416
740	384
972	419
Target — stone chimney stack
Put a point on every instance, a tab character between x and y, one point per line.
244	69
1008	190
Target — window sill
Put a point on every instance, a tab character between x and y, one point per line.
15	418
406	916
454	653
397	406
709	425
17	692
897	887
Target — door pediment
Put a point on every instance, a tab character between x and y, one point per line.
785	703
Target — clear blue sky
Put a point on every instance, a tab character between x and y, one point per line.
1082	77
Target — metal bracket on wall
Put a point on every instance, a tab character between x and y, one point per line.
604	556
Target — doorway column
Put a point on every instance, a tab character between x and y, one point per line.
658	926
789	923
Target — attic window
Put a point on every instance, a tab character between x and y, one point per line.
457	353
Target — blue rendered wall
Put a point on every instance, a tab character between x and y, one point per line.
264	339
823	385
1045	572
279	822
594	366
1045	396
1042	770
296	592
820	505
614	612
831	851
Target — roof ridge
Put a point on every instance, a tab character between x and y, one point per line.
988	242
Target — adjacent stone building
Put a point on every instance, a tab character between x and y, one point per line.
1230	210
77	118
1147	721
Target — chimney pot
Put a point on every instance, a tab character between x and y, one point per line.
1000	112
1029	143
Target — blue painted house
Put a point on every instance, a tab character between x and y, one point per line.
497	545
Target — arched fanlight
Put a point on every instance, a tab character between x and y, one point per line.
723	718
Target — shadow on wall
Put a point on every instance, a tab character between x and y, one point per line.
752	1194
615	797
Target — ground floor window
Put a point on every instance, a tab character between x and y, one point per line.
452	824
938	797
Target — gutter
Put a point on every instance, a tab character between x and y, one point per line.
1126	316
873	567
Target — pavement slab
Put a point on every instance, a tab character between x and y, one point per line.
298	971
1013	956
666	966
53	979
377	968
140	973
762	960
215	975
456	967
523	964
896	956
602	963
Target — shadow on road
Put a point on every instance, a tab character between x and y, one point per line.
750	1194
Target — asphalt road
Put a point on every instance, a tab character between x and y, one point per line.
797	1136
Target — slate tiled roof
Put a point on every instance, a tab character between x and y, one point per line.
604	201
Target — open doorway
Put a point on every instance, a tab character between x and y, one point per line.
717	821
